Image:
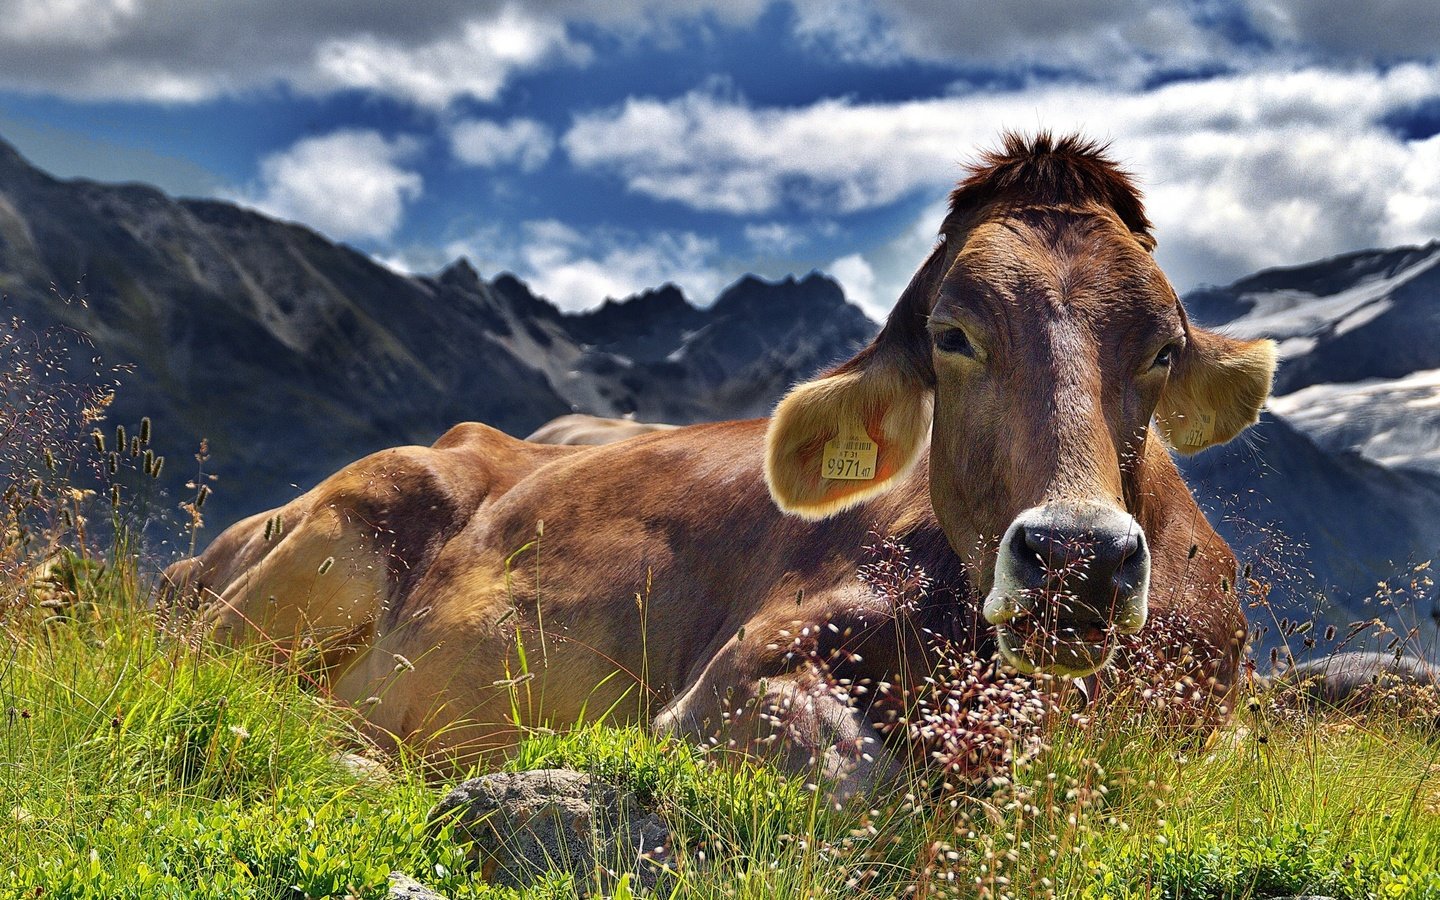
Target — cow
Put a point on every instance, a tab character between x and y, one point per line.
578	429
1010	426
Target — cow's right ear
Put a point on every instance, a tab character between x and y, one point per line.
839	440
847	436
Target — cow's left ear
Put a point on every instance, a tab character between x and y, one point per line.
1215	390
847	436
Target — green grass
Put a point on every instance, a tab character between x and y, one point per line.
133	764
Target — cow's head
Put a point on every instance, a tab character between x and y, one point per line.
1034	348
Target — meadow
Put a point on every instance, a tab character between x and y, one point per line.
138	760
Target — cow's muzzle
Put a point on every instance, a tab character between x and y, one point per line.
1069	578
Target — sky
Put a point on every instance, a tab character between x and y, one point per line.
599	148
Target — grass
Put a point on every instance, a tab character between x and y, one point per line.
135	764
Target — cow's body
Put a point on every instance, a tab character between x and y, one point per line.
666	583
578	429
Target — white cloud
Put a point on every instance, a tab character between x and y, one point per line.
520	142
775	238
428	54
347	184
579	269
1242	171
858	280
715	153
474	63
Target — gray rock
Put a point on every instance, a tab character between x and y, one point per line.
403	887
361	768
524	824
1356	680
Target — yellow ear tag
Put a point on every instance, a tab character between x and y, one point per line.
1199	428
850	456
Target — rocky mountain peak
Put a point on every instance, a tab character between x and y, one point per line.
460	274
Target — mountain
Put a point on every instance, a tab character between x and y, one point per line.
294	355
1340	481
1359	347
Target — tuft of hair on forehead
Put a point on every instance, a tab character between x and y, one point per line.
1071	170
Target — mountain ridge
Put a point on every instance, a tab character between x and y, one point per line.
295	355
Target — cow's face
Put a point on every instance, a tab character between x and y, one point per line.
1035	346
1053	338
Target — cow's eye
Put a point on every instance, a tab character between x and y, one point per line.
1165	357
953	340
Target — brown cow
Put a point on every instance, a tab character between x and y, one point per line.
580	430
1038	351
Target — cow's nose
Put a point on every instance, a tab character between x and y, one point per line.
1111	556
1082	566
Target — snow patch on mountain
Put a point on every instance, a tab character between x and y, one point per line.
1395	422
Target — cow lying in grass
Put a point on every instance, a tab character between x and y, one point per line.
1010	426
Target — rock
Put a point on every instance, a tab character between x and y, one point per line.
526	823
361	768
1365	682
403	887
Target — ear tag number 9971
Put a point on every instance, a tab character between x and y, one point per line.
849	456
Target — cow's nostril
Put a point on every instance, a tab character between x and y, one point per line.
1130	545
1134	555
1041	543
1034	548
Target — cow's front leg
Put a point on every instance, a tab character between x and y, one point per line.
796	719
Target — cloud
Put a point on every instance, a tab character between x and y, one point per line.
1109	39
711	152
1242	170
580	269
858	279
1394	29
474	63
348	184
520	142
428	54
434	53
777	238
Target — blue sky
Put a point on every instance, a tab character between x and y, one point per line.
599	148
